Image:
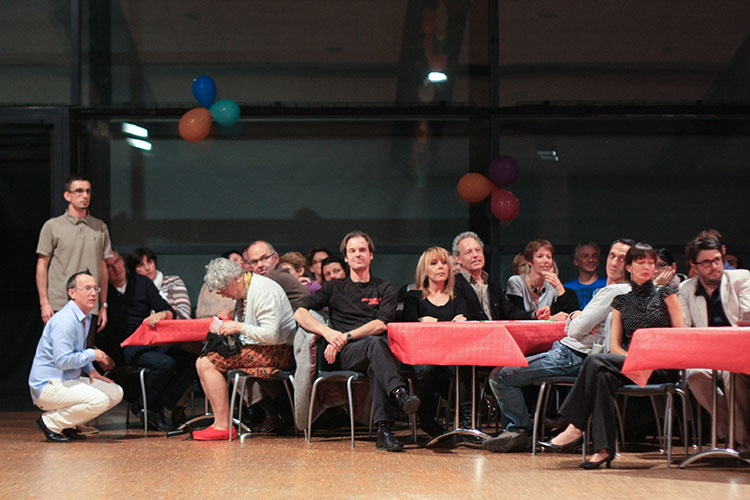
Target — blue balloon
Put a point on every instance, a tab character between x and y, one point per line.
204	90
225	112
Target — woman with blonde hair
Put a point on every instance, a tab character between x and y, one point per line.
432	299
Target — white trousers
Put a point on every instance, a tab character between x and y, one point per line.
699	381
67	403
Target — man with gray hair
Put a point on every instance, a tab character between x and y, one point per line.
263	259
483	300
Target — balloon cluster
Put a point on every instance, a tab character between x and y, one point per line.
503	172
196	123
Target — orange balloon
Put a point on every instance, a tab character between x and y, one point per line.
195	124
474	187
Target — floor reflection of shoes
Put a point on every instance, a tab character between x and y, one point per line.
73	434
86	429
430	426
509	441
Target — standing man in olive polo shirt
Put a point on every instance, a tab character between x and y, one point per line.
71	243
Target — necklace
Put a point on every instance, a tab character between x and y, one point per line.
537	291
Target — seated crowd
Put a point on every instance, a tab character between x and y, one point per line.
262	299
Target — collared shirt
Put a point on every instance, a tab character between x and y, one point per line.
482	290
714	307
73	245
61	352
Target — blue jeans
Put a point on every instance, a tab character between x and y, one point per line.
506	382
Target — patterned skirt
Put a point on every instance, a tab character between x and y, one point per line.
258	361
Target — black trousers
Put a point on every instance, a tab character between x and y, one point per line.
435	379
172	373
593	395
372	356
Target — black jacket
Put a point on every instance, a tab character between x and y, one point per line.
501	307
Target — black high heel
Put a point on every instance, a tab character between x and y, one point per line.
565	448
589	465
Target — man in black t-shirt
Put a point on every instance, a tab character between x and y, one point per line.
360	307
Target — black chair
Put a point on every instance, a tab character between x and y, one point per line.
238	381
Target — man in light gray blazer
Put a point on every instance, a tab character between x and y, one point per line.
717	297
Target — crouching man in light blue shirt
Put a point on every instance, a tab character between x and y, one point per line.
63	381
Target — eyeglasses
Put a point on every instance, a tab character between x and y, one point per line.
89	289
262	259
80	191
718	261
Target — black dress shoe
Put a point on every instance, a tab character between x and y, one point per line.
73	434
387	440
566	448
556	422
53	437
409	403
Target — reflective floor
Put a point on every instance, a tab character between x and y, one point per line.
123	463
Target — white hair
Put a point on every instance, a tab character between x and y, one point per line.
463	236
220	272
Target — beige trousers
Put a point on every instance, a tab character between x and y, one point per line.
699	381
67	403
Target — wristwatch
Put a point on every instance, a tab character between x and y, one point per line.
348	336
104	304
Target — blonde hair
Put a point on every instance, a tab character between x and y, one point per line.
422	281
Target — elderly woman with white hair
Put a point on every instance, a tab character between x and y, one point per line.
265	321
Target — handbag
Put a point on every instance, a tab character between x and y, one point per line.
225	345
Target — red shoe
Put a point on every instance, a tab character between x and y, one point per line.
211	434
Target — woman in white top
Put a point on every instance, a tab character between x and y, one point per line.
540	286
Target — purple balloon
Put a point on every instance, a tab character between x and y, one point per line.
503	171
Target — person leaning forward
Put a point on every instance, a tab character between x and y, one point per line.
360	306
63	381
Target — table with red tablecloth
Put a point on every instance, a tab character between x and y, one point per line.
169	331
718	348
471	343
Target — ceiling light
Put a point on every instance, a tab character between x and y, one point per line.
436	76
548	154
140	144
130	129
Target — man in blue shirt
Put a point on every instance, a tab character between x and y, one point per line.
586	260
57	382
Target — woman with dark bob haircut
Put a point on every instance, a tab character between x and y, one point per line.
593	395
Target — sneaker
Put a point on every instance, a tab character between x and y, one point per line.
508	441
387	440
211	434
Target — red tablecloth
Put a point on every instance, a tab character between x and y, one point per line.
170	331
680	348
476	343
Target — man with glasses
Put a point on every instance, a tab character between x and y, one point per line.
717	297
70	243
263	259
63	381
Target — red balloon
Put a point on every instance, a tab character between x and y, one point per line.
505	206
474	187
195	124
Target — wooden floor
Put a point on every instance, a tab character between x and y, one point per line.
123	463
